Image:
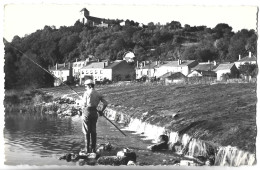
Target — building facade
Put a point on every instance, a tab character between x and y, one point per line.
229	68
182	66
118	70
63	72
250	59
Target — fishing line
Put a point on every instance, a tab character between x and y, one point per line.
25	55
60	80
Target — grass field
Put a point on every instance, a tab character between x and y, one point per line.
223	114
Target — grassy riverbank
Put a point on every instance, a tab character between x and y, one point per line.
223	114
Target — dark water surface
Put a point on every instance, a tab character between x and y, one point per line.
41	141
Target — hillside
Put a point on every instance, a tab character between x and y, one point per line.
223	114
172	41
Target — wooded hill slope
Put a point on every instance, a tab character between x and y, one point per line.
152	42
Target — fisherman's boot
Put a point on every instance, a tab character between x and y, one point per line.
87	142
93	142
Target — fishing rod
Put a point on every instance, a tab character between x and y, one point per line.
42	68
60	80
113	124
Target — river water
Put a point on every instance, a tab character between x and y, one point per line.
31	140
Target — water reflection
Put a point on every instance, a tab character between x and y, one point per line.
41	140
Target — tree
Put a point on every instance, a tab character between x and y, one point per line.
174	25
31	75
190	53
222	30
248	69
238	44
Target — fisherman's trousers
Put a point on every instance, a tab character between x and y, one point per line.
89	121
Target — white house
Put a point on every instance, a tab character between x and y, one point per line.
203	69
182	66
95	70
113	71
76	66
229	68
250	59
62	72
146	68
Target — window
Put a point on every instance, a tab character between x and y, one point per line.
96	71
91	71
87	72
82	72
101	71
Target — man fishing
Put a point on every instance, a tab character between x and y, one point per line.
90	101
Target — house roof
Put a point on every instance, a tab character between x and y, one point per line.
247	58
170	75
150	65
102	65
224	67
94	65
177	75
207	73
165	75
115	63
175	63
94	19
61	67
204	67
84	9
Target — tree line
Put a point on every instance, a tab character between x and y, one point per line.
153	42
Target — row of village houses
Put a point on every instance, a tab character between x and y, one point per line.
121	70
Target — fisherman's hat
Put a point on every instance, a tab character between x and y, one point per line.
88	81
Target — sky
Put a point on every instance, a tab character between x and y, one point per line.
25	18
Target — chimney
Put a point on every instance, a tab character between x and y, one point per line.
215	63
137	66
56	66
156	63
179	61
144	63
239	57
250	54
209	61
64	64
76	60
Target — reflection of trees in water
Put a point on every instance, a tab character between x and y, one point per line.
42	134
